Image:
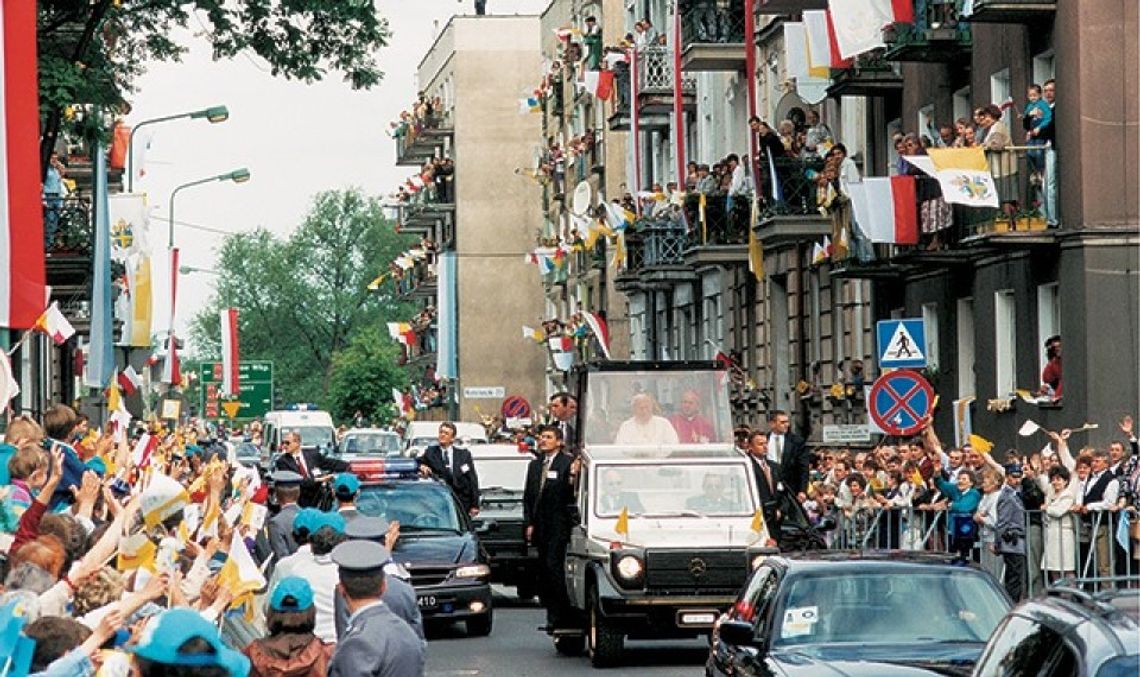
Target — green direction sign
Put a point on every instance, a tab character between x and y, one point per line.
255	383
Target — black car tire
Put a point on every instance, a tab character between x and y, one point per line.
480	626
603	642
569	645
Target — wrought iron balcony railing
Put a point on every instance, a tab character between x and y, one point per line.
712	22
67	226
655	72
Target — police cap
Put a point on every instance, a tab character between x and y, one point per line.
360	557
286	478
367	528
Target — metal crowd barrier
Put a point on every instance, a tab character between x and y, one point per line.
1068	547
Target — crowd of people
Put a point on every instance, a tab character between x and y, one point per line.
433	184
425	113
152	551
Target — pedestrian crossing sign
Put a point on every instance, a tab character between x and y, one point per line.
902	343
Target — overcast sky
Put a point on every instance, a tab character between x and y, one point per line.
296	140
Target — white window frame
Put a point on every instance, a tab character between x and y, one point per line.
963	108
926	121
1048	318
1001	88
1044	67
1005	342
930	325
967	379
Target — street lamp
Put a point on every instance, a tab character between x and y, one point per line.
213	114
237	176
187	270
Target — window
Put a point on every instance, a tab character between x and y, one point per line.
893	127
963	108
926	125
1021	646
1048	318
1005	343
1000	90
965	346
1044	67
930	320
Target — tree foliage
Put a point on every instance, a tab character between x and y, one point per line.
91	51
304	298
363	376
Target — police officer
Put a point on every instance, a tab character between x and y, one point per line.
376	641
279	529
399	594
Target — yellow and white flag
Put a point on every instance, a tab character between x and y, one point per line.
964	175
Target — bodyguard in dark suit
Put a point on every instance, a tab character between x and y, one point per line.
767	480
547	497
308	463
564	409
788	451
454	466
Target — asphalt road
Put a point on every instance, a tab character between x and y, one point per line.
516	648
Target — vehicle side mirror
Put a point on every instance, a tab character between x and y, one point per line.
737	633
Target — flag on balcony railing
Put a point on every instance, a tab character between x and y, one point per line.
755	248
965	176
598	83
22	285
885	209
859	24
101	356
229	325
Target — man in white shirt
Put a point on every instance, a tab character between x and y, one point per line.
1098	506
321	573
645	427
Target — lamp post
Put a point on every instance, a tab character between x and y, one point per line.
237	176
213	114
186	270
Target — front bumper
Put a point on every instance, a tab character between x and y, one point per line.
510	564
673	616
454	601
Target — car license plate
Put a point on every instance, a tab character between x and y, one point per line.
699	618
427	601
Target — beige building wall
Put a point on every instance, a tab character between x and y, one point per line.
481	66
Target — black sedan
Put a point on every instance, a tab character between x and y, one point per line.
858	613
448	566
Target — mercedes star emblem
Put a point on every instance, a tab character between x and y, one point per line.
697	567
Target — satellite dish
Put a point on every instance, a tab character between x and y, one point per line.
583	197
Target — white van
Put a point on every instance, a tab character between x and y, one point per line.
315	428
420	434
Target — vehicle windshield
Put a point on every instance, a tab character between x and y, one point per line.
505	473
311	436
371	443
417	506
246	451
642	408
673	490
916	608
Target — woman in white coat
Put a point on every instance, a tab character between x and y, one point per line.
1060	533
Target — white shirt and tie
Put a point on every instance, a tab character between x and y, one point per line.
775	447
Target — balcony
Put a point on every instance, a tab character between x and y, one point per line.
619	119
655	254
419	281
68	227
937	36
418	141
655	88
870	76
973	233
712	37
718	232
1012	11
788	6
792	215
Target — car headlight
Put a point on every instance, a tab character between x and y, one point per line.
630	567
473	571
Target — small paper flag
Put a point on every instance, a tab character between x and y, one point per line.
622	526
758	521
981	444
1028	428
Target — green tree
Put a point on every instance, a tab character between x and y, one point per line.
304	298
363	376
91	51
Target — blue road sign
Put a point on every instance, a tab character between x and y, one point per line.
902	343
899	401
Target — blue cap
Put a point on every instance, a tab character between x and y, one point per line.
97	466
346	483
307	518
334	520
173	628
1013	469
291	594
192	449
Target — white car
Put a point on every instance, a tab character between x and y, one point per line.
421	434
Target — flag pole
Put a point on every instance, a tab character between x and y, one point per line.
19	344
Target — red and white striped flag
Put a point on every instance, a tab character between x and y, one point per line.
229	324
22	290
140	455
885	209
129	380
601	331
172	369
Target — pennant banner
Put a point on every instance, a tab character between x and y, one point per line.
129	230
229	324
101	355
